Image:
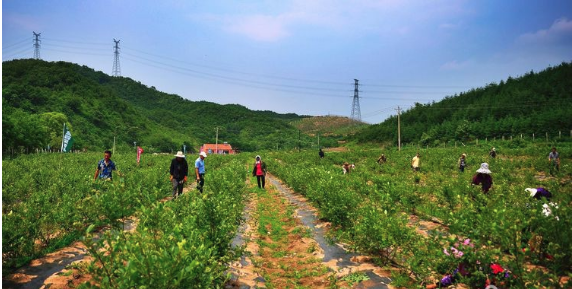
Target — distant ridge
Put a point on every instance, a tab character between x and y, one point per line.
329	125
39	96
535	103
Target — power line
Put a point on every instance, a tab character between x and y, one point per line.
238	72
16	43
76	52
78	42
235	78
73	47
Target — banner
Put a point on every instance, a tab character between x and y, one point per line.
67	140
139	152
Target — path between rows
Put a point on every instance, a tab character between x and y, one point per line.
56	270
249	272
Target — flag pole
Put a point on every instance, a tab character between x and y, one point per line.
63	136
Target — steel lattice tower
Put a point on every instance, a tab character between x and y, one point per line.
36	45
116	66
356	112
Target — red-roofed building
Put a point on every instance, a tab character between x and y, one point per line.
221	148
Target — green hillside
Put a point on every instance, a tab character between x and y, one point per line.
39	96
328	126
536	103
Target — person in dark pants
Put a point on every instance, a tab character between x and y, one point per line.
554	161
200	171
179	172
483	178
462	163
259	171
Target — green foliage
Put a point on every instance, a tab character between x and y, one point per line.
372	208
101	108
536	103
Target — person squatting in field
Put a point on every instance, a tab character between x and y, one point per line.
105	167
483	178
382	159
346	168
179	171
530	236
259	171
200	171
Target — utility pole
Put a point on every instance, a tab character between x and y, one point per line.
36	45
356	112
398	129
116	66
216	142
298	140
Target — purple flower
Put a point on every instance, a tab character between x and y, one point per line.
446	253
467	242
447	280
459	254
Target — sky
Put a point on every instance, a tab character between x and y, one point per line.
299	56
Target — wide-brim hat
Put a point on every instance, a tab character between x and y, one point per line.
484	169
258	157
203	154
531	191
180	154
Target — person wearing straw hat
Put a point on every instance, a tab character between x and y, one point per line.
179	171
493	153
462	163
200	171
483	178
539	193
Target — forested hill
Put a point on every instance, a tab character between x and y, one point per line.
39	96
533	103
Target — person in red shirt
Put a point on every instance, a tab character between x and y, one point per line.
260	172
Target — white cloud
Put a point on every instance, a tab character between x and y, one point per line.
560	31
456	65
260	27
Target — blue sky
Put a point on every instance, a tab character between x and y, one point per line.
300	56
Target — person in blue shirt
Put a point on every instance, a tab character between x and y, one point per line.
105	167
200	170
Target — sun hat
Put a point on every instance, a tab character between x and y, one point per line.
203	154
531	191
484	169
258	158
180	154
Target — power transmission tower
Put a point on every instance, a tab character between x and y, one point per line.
36	45
356	112
116	66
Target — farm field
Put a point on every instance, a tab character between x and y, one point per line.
413	222
372	209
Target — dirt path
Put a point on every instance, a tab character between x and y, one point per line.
60	269
287	247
